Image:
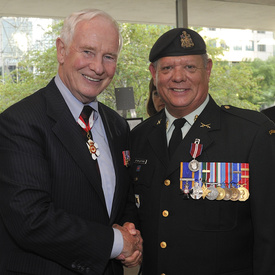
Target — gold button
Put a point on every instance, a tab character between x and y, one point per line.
163	244
227	107
165	213
167	182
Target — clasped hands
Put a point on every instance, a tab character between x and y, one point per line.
131	254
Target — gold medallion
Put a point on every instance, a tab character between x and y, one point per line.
244	193
235	194
221	193
228	194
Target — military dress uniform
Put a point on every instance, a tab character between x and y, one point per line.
202	236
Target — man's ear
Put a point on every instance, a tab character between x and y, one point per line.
153	72
60	49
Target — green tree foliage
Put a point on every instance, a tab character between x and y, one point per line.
133	63
235	85
264	73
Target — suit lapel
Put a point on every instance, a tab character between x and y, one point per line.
157	138
69	133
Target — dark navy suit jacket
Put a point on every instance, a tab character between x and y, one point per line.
53	214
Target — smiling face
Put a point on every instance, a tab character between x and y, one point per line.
182	82
88	64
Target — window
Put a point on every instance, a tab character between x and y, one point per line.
261	48
250	46
237	48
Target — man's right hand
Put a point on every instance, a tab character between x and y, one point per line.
131	254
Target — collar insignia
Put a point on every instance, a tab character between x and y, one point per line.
205	125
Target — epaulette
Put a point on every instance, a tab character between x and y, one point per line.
250	115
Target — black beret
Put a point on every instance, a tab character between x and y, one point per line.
177	42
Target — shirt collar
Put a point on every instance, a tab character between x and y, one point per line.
73	103
190	118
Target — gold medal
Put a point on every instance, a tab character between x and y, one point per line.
205	191
228	194
235	194
221	193
244	193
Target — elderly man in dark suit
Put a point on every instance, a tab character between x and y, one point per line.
63	162
203	175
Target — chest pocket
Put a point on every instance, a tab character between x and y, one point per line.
205	215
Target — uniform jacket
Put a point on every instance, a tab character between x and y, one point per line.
53	213
204	237
270	112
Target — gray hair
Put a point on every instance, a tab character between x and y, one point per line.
67	31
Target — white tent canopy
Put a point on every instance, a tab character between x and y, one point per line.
236	14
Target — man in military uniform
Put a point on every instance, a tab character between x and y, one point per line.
204	187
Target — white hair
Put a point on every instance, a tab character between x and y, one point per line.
67	31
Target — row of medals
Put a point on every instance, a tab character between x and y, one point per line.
216	193
212	192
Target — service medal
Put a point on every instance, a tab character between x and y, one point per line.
196	191
194	165
221	193
228	194
195	151
235	194
213	194
185	191
244	193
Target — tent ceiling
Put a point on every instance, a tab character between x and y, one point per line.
239	14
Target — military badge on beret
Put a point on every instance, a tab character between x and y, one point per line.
186	40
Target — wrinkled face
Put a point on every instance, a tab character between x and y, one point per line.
88	64
182	82
157	101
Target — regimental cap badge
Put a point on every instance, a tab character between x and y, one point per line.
178	42
186	40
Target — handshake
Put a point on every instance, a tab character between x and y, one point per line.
131	254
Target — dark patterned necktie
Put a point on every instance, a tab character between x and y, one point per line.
176	137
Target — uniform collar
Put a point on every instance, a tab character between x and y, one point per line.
190	118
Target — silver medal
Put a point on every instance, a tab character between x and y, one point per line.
194	165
